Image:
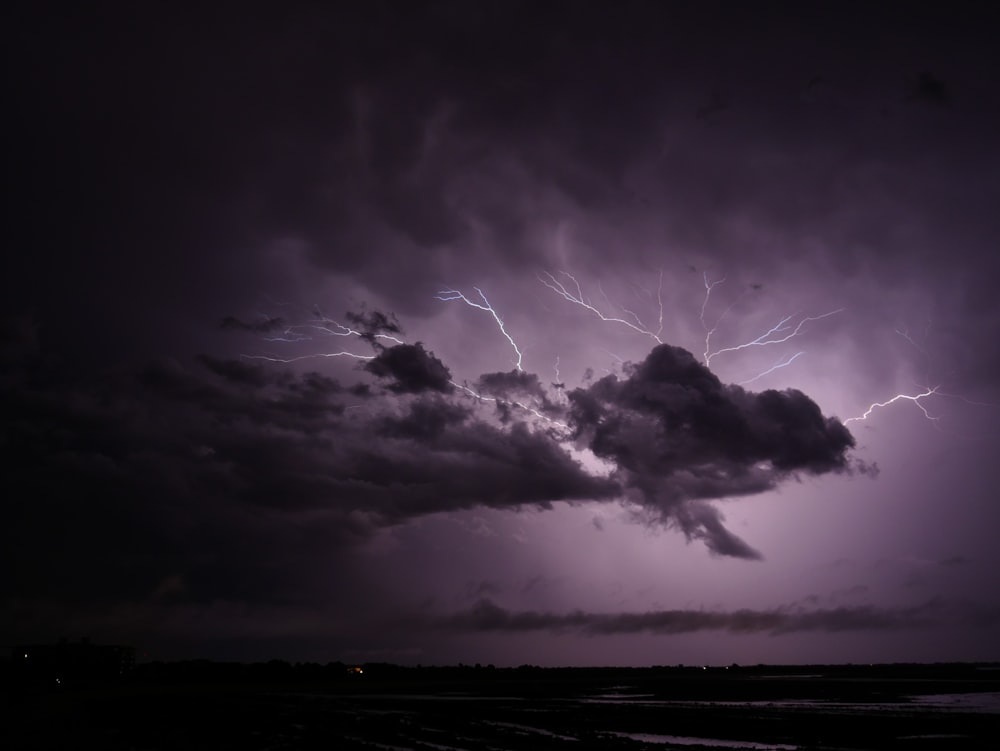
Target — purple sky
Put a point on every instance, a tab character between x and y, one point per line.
201	197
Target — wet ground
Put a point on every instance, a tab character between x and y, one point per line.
887	707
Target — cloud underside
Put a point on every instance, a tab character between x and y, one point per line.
486	616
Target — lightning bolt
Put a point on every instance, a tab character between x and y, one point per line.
577	298
323	328
522	405
709	332
904	332
454	294
775	335
310	356
780	333
915	398
568	287
776	366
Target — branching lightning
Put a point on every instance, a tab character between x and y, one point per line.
776	366
775	335
707	355
515	402
577	298
915	398
322	328
780	333
454	294
310	356
568	287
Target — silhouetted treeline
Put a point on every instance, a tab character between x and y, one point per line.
51	663
366	673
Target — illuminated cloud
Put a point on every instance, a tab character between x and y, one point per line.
676	434
488	616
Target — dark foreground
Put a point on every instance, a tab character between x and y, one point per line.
205	706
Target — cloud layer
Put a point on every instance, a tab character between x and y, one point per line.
186	468
487	616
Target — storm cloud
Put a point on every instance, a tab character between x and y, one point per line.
277	448
677	435
411	368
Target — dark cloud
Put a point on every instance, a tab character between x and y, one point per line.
412	369
699	521
223	474
230	475
374	324
514	384
515	391
426	419
263	325
676	435
487	616
930	89
237	372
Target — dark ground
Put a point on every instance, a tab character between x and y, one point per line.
214	706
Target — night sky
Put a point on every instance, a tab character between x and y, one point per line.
503	332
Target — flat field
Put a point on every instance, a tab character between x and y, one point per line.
475	709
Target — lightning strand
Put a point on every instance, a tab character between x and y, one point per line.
915	398
522	405
577	298
779	328
312	355
773	368
659	301
323	326
567	286
454	294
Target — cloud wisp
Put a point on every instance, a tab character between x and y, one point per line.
487	616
